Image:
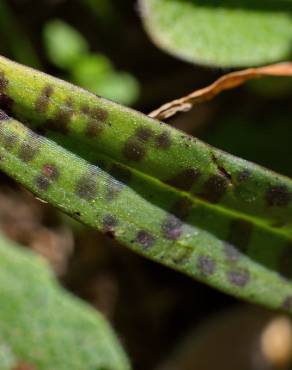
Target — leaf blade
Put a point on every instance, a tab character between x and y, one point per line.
182	246
220	33
146	145
213	230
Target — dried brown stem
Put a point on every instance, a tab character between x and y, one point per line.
226	82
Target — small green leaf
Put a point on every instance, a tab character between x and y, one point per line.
67	49
90	69
64	44
44	326
221	32
96	73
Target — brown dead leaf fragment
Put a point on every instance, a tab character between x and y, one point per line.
226	82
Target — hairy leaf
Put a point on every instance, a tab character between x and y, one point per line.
162	193
221	32
44	327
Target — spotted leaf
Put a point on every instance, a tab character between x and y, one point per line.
158	191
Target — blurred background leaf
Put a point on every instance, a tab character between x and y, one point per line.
69	50
43	326
225	33
64	44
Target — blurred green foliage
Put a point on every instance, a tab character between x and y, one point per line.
44	326
64	45
69	50
226	33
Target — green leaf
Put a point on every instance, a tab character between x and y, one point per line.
90	69
64	44
96	73
44	326
227	33
67	49
158	191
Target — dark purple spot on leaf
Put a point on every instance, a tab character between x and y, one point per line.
171	228
61	121
3	82
163	140
94	128
238	277
3	116
109	223
51	171
49	174
214	188
95	113
42	182
113	189
43	101
9	140
243	175
134	150
99	114
145	239
206	265
86	187
144	134
185	179
29	148
278	196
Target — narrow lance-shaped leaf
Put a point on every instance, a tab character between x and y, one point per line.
160	192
